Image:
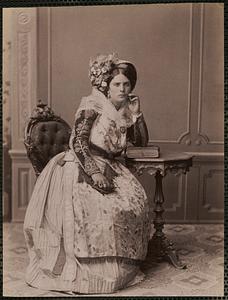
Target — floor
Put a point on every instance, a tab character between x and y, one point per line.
200	246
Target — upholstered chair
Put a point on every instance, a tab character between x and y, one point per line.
46	135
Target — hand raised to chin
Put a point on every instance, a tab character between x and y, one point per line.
134	104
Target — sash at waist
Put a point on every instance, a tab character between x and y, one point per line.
95	150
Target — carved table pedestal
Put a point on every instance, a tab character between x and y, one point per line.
160	247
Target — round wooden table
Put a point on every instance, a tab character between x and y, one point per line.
160	247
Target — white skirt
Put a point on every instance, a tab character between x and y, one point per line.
80	240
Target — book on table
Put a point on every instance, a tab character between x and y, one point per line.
143	152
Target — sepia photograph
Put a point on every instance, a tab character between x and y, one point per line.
113	150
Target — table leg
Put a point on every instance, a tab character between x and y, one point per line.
159	246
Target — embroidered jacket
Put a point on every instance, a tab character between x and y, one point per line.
98	125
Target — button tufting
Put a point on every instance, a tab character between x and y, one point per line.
43	128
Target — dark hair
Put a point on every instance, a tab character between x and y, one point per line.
127	70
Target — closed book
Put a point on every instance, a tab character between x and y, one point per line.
143	152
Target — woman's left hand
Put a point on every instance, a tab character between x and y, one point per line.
134	104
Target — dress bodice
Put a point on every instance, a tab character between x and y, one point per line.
109	131
98	123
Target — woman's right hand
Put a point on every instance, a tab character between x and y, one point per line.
101	181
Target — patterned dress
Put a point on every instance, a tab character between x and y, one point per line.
79	238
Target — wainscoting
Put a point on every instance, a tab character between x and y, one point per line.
197	197
24	180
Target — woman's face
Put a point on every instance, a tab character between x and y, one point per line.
119	88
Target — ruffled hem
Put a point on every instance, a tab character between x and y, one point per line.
96	276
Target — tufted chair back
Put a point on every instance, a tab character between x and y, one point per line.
45	136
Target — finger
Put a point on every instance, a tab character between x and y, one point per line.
100	185
105	184
132	100
132	95
98	182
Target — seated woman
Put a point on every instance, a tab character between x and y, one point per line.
87	224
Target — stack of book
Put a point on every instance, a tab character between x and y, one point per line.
151	151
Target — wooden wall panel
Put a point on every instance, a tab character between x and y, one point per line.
23	179
211	94
211	193
6	115
192	191
23	69
196	197
175	196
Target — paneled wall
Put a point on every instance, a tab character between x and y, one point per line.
6	86
178	53
22	35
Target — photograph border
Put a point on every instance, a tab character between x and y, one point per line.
53	3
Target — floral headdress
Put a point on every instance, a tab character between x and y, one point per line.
100	69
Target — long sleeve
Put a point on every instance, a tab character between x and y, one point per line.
137	134
80	143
